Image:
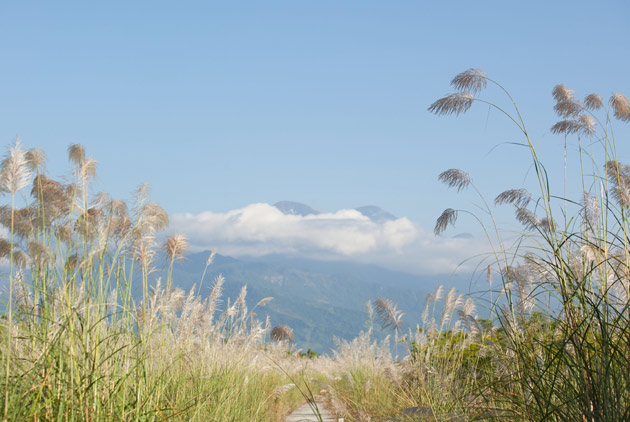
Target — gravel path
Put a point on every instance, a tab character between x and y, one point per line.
304	413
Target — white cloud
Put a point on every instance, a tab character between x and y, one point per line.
260	229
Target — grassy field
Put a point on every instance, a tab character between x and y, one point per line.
89	334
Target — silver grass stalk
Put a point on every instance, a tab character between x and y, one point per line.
369	311
210	258
239	303
388	313
590	210
456	104
619	175
621	106
263	301
518	197
469	308
87	169
473	80
15	173
448	217
452	303
425	314
215	295
22	295
439	293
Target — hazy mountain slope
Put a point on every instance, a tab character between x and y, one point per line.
317	305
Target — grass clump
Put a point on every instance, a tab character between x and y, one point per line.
562	307
87	333
557	343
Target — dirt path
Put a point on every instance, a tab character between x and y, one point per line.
304	413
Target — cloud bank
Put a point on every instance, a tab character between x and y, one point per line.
261	229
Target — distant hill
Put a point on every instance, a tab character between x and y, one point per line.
295	208
317	299
375	213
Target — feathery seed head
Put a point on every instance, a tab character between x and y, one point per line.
388	313
36	158
546	224
457	103
281	333
566	127
590	210
473	80
87	169
5	248
588	124
567	109
561	93
154	216
527	218
175	246
469	309
369	310
455	178
15	173
519	197
621	106
53	195
210	258
619	175
142	193
593	102
64	234
118	207
448	217
20	259
439	293
22	220
76	154
39	253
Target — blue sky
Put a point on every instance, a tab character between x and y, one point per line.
219	105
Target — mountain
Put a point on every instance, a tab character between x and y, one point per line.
317	299
295	208
375	213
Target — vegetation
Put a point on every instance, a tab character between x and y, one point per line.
88	333
558	347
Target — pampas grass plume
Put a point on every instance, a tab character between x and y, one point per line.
621	107
456	104
448	217
473	80
15	173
